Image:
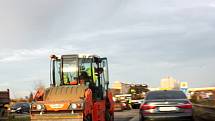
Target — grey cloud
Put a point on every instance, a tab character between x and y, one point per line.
143	40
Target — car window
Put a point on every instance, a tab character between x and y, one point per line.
165	95
25	104
17	105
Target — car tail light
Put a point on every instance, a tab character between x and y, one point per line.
147	107
185	106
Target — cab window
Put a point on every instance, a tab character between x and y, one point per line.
70	71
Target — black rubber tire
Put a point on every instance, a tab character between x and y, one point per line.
1	112
192	119
141	117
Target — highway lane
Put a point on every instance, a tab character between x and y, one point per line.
126	115
200	114
133	115
204	114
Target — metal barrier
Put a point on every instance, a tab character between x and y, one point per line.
204	106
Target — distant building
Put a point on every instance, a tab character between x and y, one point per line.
123	87
115	91
169	83
154	89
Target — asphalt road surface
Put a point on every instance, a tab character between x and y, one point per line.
133	115
204	114
127	115
201	114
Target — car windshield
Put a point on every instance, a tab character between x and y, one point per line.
165	95
17	105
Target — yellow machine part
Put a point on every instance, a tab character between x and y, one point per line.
64	93
58	117
60	95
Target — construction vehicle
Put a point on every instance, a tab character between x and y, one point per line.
78	91
4	104
137	92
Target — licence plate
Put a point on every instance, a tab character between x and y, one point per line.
167	109
56	105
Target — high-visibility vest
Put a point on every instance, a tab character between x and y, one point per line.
95	78
129	101
65	78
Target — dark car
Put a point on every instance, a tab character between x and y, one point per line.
166	104
21	108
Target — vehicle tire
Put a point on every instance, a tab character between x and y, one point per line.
141	117
192	119
21	111
1	112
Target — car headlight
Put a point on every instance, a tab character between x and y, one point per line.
73	106
39	107
76	106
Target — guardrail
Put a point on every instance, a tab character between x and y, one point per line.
204	102
204	106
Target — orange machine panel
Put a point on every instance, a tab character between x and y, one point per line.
99	110
89	102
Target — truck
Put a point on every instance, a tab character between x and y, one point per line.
137	92
79	90
4	103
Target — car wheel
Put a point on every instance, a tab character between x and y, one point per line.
2	111
141	117
21	111
192	119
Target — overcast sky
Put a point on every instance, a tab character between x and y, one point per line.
144	40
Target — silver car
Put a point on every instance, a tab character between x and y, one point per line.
166	104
